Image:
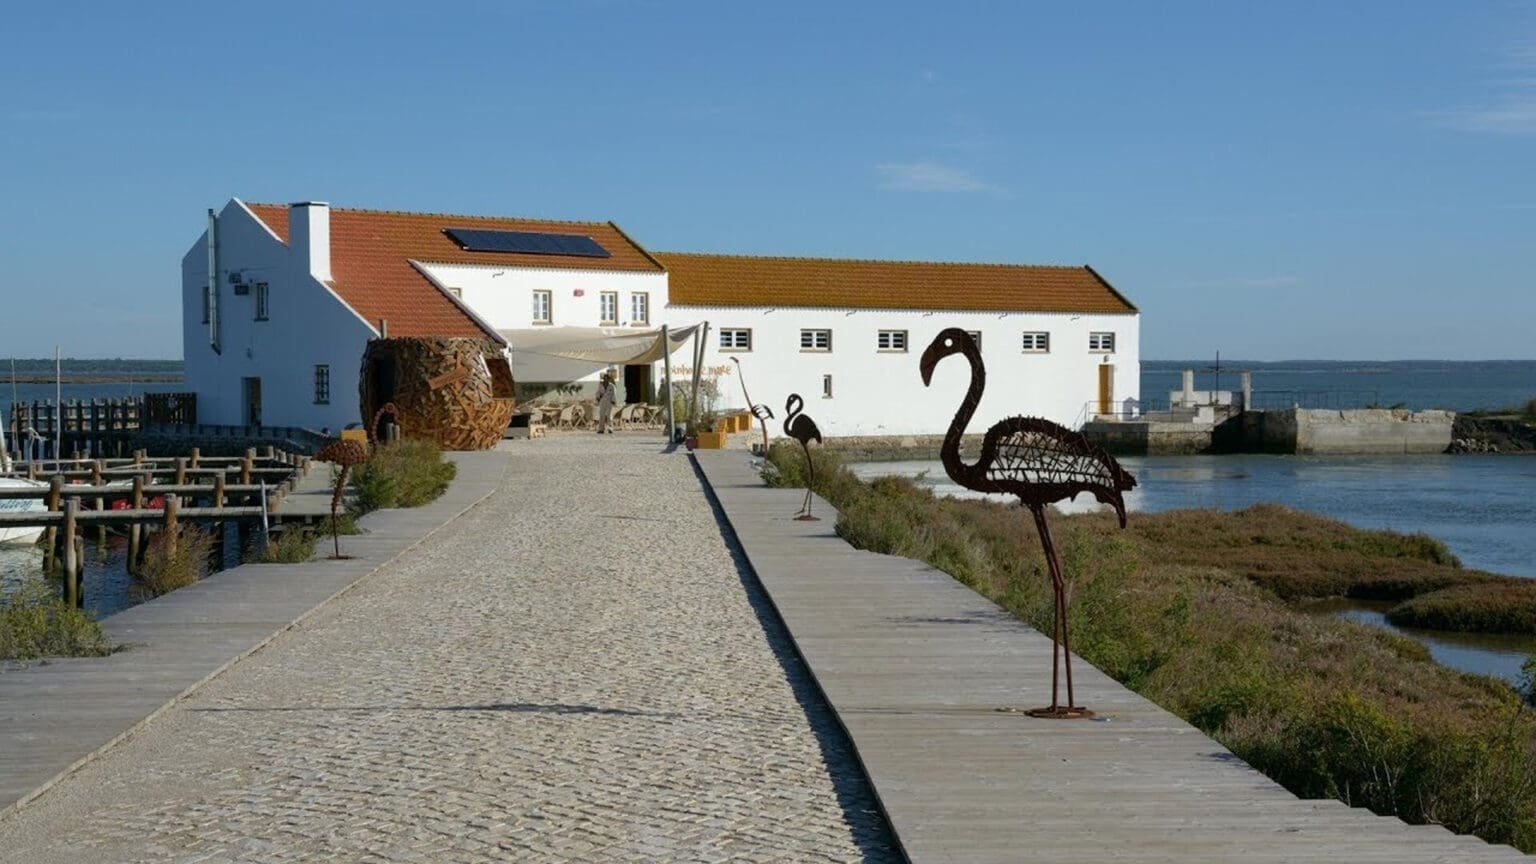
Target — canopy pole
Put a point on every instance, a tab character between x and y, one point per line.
666	359
698	368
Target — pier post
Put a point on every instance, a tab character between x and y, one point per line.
101	503
71	553
171	526
196	453
218	489
246	465
138	457
181	470
136	530
51	535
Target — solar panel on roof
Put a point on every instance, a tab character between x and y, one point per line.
526	242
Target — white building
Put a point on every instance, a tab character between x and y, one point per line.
278	336
1057	342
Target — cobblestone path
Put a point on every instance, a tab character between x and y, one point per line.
573	671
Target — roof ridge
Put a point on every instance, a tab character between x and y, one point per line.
820	259
435	215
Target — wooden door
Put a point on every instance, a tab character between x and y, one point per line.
1106	389
252	401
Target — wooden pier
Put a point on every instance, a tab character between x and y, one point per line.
85	493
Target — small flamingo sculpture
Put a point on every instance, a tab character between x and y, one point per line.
1040	462
760	410
349	454
803	429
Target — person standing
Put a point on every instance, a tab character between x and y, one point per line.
605	396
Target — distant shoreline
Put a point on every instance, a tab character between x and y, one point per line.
37	378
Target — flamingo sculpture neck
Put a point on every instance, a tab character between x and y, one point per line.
949	453
793	406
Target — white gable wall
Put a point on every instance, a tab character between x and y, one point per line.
307	325
881	392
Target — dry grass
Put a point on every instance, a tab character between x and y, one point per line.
166	569
1324	706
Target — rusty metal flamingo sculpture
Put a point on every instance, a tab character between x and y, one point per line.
761	411
803	429
1040	462
350	454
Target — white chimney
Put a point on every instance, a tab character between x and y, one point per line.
309	237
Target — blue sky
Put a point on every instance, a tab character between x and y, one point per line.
1291	180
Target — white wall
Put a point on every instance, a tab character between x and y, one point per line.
882	393
307	325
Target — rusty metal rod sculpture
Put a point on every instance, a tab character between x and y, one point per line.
1041	463
349	454
803	429
762	412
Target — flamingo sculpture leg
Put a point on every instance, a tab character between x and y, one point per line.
1041	463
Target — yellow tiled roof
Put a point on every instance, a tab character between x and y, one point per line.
741	280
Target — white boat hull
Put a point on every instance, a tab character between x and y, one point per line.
16	534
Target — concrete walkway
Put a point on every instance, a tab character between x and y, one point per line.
56	713
914	664
574	670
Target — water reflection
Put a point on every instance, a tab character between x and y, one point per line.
1479	653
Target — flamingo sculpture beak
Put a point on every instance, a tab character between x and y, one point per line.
930	359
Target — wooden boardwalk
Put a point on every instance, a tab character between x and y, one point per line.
55	716
914	664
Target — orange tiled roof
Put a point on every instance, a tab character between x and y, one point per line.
371	252
740	280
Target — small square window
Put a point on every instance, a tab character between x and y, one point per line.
608	302
322	384
1102	342
542	313
456	292
891	340
975	337
815	340
1037	342
261	301
826	386
736	339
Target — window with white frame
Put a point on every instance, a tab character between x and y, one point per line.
815	340
608	302
542	312
975	337
640	308
1037	342
1104	342
735	339
891	340
826	386
322	384
261	301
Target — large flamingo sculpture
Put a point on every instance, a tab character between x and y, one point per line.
761	411
1041	463
803	429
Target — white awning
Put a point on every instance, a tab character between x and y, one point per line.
607	345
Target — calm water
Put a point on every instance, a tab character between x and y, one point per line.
1482	507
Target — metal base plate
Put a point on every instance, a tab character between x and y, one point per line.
1059	712
806	517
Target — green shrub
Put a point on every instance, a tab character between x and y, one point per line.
35	623
404	473
164	569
